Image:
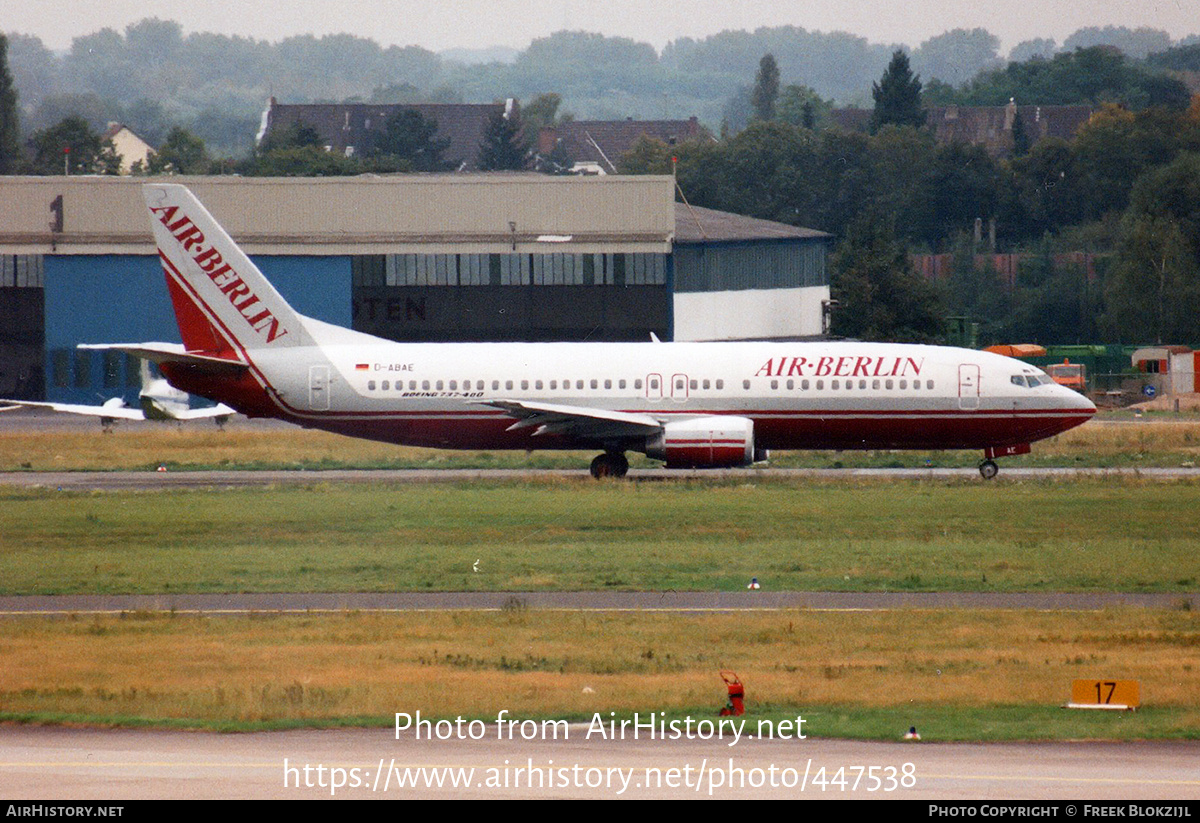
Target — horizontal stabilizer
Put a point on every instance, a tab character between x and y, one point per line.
160	353
114	411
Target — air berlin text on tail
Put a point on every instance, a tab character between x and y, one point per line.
221	273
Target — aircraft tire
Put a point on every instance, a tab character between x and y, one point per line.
609	465
988	469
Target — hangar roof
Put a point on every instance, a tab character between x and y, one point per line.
697	225
425	213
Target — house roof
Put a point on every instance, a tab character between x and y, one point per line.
343	125
698	225
602	142
987	126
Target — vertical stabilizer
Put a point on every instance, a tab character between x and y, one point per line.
223	304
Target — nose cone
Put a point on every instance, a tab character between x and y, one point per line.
1079	402
1081	409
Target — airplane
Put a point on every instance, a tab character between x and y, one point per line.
157	400
691	405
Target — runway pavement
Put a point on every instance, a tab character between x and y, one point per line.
123	764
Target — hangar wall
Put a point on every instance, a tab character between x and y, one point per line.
123	299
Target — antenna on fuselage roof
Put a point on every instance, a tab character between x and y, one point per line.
654	338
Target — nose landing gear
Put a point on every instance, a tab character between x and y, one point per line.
988	467
610	464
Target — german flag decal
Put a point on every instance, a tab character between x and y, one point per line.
361	367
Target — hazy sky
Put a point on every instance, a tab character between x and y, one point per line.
442	24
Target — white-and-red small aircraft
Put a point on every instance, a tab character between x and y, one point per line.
688	404
157	400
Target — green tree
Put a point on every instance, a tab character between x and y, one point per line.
410	138
300	161
879	296
73	141
10	145
181	153
897	96
961	184
542	113
766	88
646	156
801	106
1152	291
294	135
954	57
503	148
1020	136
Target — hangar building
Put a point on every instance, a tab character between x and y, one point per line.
461	257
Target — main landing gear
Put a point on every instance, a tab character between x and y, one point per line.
610	464
988	469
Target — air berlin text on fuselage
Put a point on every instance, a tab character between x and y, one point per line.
848	366
221	273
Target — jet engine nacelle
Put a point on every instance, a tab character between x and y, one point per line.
706	442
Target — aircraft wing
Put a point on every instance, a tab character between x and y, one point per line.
575	421
115	412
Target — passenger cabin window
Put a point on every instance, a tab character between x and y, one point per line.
746	385
720	384
370	385
508	385
833	384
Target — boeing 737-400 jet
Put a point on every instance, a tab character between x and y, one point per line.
688	404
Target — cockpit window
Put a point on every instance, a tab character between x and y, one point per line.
1030	380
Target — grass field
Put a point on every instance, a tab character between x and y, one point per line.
1171	441
956	675
1099	534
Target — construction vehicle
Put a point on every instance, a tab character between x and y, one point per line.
1071	375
